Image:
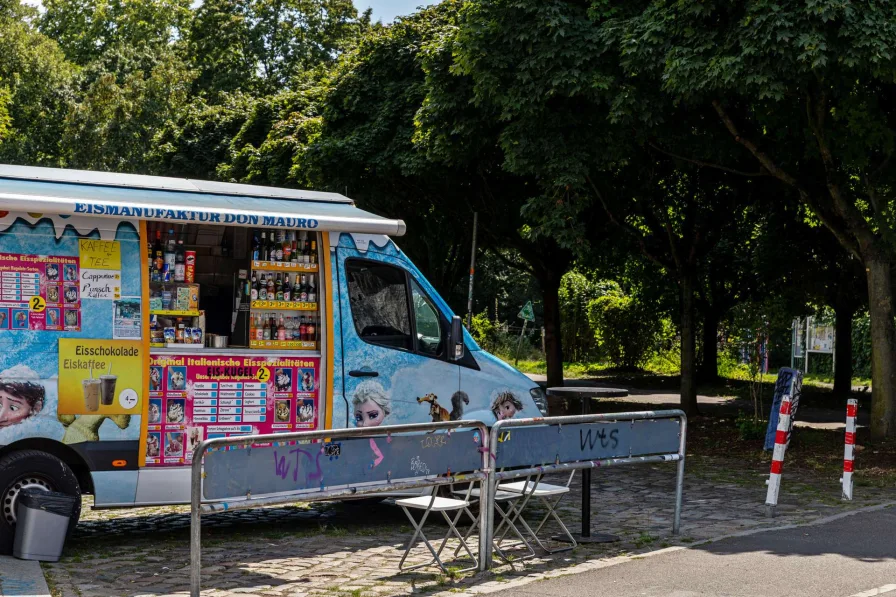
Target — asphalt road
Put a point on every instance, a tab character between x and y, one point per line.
854	556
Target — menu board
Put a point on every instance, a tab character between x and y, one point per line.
39	292
198	397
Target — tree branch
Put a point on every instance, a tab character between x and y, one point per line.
627	228
843	235
761	172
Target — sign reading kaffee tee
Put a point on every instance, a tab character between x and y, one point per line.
100	376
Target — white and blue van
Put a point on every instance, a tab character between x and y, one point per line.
141	315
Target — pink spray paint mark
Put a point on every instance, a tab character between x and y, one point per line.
379	455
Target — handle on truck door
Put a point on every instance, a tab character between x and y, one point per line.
359	373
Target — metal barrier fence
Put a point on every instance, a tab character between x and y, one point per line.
347	463
530	447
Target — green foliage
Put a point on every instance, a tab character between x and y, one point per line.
625	328
861	346
127	96
750	428
576	294
484	331
87	29
38	83
198	141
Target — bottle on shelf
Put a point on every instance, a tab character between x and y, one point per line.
256	247
158	258
262	289
287	247
303	328
281	330
278	288
266	329
306	251
168	272
287	289
294	248
259	328
303	290
180	263
312	329
296	289
272	291
252	330
312	289
263	248
313	257
253	289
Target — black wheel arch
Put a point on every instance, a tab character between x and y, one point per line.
61	451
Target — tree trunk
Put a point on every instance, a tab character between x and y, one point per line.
843	349
553	346
688	346
883	348
709	369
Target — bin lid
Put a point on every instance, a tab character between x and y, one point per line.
48	501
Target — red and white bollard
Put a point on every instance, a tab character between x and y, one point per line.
852	407
774	478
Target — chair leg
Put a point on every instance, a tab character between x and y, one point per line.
463	543
418	530
551	507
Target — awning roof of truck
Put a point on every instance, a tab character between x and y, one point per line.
123	196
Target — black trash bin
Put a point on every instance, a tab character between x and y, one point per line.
42	521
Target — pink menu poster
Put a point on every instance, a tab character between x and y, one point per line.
39	292
198	397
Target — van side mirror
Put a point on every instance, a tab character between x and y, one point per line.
456	340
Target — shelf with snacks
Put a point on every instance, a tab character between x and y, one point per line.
284	344
283	306
285	266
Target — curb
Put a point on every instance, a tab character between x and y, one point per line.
22	578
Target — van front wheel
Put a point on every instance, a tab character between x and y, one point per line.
31	469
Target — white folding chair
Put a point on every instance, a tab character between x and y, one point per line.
434	503
500	496
545	492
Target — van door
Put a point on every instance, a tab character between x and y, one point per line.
394	345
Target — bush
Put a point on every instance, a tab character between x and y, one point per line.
749	428
625	328
577	333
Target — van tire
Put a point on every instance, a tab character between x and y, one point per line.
32	468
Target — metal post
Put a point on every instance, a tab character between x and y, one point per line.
679	479
586	483
196	523
516	360
486	505
472	271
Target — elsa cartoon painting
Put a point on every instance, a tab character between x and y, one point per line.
370	404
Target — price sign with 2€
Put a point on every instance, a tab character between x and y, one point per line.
263	374
37	304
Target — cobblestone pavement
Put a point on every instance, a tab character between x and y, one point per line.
353	550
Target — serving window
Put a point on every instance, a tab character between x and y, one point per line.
222	287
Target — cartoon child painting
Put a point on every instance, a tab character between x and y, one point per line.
506	405
53	317
71	274
4	315
19	400
52	272
370	404
307	380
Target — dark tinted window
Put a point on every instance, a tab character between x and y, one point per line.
378	295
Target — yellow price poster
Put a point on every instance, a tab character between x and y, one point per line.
100	254
100	376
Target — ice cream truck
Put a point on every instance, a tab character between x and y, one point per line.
141	315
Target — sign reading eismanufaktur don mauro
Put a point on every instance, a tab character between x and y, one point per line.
188	215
